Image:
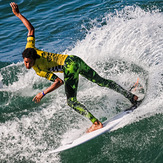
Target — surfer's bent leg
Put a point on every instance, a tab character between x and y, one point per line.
71	77
92	75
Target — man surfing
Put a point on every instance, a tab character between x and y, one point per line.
46	64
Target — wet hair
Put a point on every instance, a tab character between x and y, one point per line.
30	53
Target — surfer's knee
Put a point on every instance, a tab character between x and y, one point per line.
71	101
98	80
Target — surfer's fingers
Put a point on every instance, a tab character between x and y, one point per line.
13	5
34	99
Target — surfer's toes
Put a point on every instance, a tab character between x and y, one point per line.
134	99
96	125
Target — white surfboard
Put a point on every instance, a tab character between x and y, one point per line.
107	126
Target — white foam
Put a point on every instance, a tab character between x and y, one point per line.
133	36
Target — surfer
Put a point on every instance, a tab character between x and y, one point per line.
46	64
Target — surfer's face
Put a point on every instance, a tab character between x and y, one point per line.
28	62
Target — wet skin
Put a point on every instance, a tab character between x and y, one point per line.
28	62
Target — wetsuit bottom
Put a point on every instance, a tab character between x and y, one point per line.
72	68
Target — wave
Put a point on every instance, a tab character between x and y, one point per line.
125	45
128	46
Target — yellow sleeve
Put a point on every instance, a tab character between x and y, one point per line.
48	75
30	42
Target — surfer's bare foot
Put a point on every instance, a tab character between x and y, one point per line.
96	125
134	99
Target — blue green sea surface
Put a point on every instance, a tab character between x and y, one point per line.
122	40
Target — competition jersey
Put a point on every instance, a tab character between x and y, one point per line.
48	62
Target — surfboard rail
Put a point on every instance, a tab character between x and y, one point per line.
108	125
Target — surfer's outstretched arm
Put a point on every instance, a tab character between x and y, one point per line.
28	25
57	83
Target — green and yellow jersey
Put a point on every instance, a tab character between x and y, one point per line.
48	63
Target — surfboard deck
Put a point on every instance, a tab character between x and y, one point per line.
107	126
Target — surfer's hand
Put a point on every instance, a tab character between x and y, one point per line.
38	97
15	8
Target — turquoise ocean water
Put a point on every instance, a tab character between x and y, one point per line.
122	41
